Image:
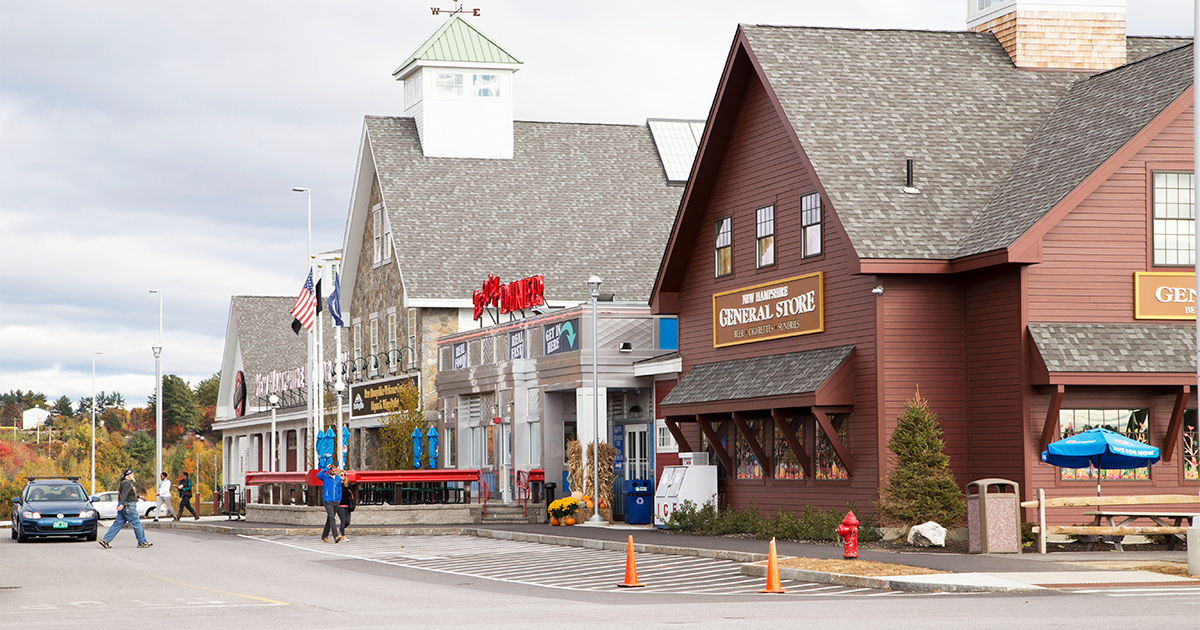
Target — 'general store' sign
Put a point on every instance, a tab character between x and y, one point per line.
1164	295
785	308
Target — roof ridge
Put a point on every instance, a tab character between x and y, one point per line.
545	122
860	30
438	35
1136	62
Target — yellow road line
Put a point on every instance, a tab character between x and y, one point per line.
217	590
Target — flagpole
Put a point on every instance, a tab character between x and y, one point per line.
320	353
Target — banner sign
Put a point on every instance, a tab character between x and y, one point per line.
1164	295
516	345
460	355
377	397
514	296
785	308
561	337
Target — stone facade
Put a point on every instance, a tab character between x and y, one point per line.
1060	40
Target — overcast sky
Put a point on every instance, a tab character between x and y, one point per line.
154	145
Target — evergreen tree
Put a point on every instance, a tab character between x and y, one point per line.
179	404
63	407
921	487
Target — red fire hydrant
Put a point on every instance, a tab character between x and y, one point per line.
848	531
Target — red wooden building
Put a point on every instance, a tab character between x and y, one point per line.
876	212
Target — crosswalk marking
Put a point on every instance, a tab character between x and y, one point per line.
552	566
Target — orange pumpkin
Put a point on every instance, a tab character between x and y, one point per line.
570	520
602	505
590	505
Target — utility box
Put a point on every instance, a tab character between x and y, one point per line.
994	516
695	483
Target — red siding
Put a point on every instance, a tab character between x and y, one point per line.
759	166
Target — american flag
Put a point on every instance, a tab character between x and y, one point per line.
305	310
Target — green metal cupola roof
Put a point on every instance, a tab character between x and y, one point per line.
458	42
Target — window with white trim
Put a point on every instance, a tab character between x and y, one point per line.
449	84
357	344
377	234
374	358
1174	219
724	246
411	317
664	441
485	85
387	237
393	355
765	232
810	224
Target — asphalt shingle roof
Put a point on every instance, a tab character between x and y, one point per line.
1133	348
575	200
757	377
266	338
862	101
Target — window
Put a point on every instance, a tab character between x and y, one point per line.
810	224
664	442
412	90
724	247
1131	423
1191	446
374	358
747	465
485	85
411	318
826	463
377	234
765	221
357	344
387	237
1174	219
393	355
449	84
450	446
786	464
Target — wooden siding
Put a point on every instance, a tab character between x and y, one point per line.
1090	256
761	165
925	350
994	386
1165	477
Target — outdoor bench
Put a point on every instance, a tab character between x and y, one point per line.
1093	532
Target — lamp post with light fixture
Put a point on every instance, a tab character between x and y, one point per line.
274	401
312	391
594	282
94	353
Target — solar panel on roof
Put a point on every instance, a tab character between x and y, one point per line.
677	141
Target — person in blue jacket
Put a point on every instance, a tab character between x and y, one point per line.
331	495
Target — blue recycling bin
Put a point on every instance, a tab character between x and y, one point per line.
639	501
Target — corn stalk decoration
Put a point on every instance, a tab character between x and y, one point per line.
607	456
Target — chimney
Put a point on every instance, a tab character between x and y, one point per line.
1054	34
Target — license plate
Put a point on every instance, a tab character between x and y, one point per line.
60	524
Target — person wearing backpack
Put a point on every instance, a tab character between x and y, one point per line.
185	498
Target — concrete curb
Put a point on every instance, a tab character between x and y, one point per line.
883	583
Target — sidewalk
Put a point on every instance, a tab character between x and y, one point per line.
965	572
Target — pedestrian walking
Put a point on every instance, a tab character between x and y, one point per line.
185	497
163	498
126	513
331	496
345	507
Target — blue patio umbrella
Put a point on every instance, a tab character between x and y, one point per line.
432	434
345	443
325	448
416	438
1102	449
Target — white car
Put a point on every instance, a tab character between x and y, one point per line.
106	504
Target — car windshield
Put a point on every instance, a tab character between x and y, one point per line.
56	492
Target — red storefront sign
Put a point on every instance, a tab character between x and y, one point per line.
514	296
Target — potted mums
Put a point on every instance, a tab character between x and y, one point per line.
563	511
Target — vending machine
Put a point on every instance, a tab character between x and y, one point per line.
695	482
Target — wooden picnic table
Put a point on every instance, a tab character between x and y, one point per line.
1174	531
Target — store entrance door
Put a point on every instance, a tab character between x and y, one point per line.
637	451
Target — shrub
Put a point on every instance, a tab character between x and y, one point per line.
921	487
810	525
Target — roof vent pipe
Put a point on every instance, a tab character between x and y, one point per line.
908	177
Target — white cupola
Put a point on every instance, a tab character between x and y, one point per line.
1054	34
458	87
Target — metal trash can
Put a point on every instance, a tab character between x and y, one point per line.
235	506
993	516
639	501
550	487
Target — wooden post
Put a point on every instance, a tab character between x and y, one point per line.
1041	520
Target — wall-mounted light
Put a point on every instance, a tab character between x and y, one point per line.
626	346
878	290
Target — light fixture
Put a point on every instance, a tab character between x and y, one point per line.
626	346
594	284
878	290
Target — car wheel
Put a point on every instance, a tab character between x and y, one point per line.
92	536
14	532
21	537
149	512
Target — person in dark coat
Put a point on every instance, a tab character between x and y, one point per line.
126	513
185	498
345	507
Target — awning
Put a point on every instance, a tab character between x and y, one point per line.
1113	354
800	379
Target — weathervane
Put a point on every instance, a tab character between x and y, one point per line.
458	8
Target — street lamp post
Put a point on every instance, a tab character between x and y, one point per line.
594	283
312	390
158	420
274	400
94	353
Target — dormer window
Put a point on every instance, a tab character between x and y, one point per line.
449	84
485	85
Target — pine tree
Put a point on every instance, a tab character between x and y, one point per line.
921	487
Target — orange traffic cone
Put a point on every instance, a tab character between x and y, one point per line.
772	572
630	568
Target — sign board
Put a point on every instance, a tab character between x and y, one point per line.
561	337
618	444
784	308
1164	295
516	345
514	296
376	397
460	355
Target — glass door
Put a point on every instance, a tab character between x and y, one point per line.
637	451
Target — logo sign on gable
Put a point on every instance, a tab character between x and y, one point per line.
785	308
1164	295
561	337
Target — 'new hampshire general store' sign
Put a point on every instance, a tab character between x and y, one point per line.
784	308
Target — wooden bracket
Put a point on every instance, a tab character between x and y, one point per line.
835	440
1050	429
718	448
739	420
1173	429
677	433
785	429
